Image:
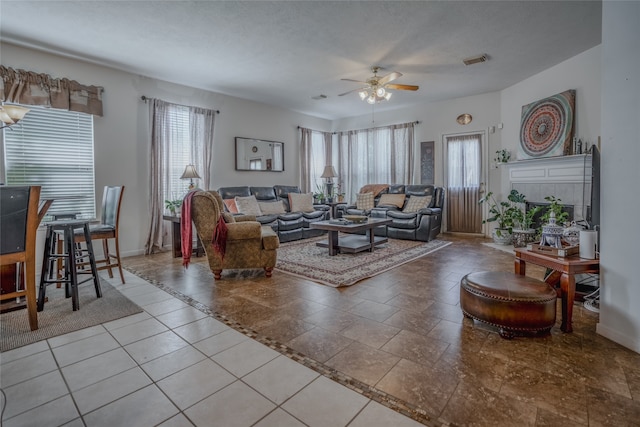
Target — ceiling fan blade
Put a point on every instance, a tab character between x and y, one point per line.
352	90
351	80
401	87
389	78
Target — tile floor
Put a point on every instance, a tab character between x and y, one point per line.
172	365
247	350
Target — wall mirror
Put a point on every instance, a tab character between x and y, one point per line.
259	155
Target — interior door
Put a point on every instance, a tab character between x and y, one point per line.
464	174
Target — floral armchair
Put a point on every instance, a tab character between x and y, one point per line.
245	243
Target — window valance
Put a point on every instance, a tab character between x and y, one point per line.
30	88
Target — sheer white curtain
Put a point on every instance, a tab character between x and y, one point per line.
180	135
315	154
464	175
383	155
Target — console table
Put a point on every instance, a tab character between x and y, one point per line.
568	267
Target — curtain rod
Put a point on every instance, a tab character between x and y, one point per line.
146	98
417	122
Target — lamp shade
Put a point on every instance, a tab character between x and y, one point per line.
329	172
190	173
11	114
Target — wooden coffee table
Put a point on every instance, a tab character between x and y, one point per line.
351	243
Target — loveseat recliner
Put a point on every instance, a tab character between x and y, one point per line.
289	225
423	225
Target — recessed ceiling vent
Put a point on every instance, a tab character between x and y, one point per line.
476	59
318	97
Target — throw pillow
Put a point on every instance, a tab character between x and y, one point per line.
231	205
392	200
364	201
271	208
248	205
301	202
415	203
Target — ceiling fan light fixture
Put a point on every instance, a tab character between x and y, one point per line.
387	95
380	92
371	99
363	94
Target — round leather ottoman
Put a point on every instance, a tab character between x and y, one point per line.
512	302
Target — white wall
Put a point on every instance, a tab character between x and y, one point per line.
121	141
582	73
620	286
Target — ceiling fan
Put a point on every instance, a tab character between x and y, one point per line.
376	88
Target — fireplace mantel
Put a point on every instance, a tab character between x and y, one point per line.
573	168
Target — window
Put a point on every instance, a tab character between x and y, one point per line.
178	154
54	149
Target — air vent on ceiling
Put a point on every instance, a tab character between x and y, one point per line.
475	59
317	97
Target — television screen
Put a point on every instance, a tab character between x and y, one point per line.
593	214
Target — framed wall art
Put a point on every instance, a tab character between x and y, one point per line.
547	126
426	162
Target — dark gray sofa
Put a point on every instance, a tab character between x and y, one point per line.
423	225
290	225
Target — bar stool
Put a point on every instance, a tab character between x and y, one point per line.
72	256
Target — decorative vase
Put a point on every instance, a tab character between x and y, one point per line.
522	238
501	236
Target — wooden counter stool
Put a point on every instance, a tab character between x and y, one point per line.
72	257
512	302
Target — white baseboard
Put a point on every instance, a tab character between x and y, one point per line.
623	340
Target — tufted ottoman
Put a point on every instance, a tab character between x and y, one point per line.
512	302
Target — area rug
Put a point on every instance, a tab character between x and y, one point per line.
304	259
58	318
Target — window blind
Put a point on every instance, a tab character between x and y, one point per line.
54	149
178	155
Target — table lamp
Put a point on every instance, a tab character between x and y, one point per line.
190	173
329	173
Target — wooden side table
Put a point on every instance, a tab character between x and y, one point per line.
176	238
568	267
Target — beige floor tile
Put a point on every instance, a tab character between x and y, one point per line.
156	346
22	352
108	390
85	348
245	357
376	415
97	368
138	331
236	405
325	403
220	342
201	329
55	413
145	407
279	418
76	335
26	368
164	307
280	379
180	317
195	383
171	363
29	394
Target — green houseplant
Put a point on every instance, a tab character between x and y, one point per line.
173	205
503	213
557	208
523	232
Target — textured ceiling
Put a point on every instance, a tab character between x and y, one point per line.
284	53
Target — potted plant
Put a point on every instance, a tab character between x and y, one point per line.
502	156
319	195
173	205
502	213
523	232
556	207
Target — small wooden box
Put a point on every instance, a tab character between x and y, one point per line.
549	250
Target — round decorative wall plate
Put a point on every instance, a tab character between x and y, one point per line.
547	126
254	149
464	119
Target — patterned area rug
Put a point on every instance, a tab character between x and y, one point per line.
58	317
304	259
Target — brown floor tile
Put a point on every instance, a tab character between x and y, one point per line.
452	368
360	361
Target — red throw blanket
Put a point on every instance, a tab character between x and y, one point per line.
219	239
186	234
